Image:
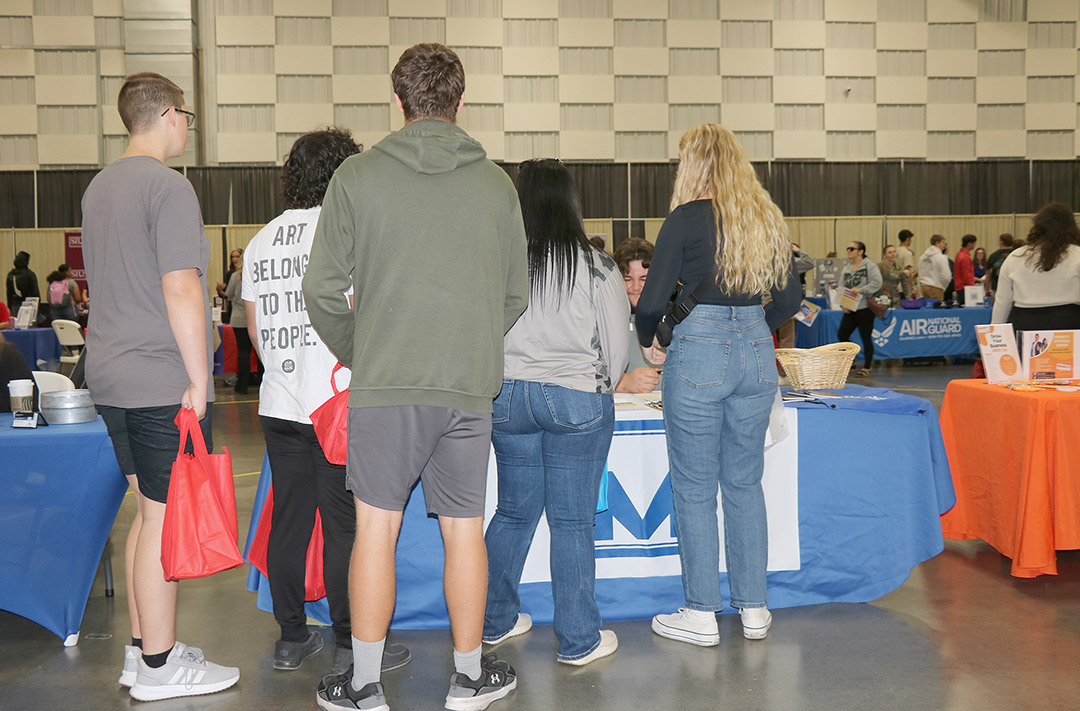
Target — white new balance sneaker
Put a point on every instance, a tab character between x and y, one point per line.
185	673
756	622
692	626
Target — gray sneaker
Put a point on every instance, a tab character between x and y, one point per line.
336	692
497	679
290	655
394	656
186	673
131	665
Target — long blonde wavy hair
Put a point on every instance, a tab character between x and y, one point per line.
755	252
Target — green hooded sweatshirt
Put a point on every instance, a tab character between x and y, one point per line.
428	233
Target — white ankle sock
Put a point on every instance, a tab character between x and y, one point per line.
367	662
468	663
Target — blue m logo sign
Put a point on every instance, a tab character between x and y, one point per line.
641	528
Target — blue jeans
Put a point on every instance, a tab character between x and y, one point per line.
551	445
719	384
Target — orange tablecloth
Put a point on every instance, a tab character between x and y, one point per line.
1015	459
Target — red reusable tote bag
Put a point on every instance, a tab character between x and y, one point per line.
198	535
314	585
331	422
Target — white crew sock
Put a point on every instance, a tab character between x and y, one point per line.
468	663
367	662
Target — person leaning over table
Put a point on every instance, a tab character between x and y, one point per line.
721	377
863	276
934	271
634	255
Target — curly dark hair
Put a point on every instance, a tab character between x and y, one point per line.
1053	229
311	163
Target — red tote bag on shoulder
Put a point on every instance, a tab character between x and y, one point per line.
331	422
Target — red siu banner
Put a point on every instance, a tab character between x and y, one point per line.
73	257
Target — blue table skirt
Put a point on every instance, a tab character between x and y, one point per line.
905	333
35	344
873	482
61	489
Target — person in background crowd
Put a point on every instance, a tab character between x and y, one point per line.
21	283
295	384
1039	285
554	417
13	366
934	271
863	276
456	297
5	317
236	258
905	257
61	301
978	263
963	267
78	296
239	323
721	373
634	255
598	242
785	334
831	255
1006	244
894	278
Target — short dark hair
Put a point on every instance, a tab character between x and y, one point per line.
860	246
632	250
937	239
904	236
22	260
143	97
968	239
429	80
311	163
1007	240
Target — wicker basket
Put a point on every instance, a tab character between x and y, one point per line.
822	367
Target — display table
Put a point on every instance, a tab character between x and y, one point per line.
61	490
905	333
872	482
36	344
1016	467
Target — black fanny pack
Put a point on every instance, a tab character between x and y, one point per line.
677	311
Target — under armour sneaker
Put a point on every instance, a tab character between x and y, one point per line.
290	655
131	663
336	692
522	624
496	680
691	626
394	656
756	622
608	644
185	673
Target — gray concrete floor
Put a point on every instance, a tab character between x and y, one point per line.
959	634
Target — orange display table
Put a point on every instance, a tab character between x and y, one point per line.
1015	459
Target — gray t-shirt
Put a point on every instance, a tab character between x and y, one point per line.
141	220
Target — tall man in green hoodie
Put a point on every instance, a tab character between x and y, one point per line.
428	233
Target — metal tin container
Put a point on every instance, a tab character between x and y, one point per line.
67	407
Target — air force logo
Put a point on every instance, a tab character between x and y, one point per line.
881	337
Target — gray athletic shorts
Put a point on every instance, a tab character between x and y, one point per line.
447	450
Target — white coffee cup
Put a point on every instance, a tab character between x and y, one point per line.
22	395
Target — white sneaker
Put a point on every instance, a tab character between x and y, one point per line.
185	674
522	625
755	622
688	626
131	665
608	644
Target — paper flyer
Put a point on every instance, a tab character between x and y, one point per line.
808	312
849	299
1050	355
28	313
1001	360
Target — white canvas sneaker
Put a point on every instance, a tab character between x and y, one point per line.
755	622
688	626
522	624
185	673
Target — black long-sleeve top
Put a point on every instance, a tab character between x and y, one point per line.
686	251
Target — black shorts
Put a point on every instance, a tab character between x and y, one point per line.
146	441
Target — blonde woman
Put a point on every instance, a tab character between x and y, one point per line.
720	376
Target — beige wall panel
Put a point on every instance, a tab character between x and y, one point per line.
360	31
67	150
587	145
1000	90
108	8
16	7
798	90
1000	144
952	63
646	9
7	248
493	142
586	32
18	120
652	228
112	62
901	90
247	147
111	125
1050	62
47	248
302	59
367	139
483	89
747	62
902	35
16	62
799	144
798	35
867	230
693	33
63	31
951	117
364	89
744	9
694	90
530	117
641	61
1050	10
306	8
245	31
952	11
417	8
474	31
850	11
530	8
64	91
247	88
1050	117
530	61
599	227
814	235
850	62
748	117
641	117
850	117
586	89
301	118
1001	35
901	144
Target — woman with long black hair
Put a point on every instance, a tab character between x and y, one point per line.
552	422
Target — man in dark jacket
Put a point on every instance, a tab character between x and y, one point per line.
21	283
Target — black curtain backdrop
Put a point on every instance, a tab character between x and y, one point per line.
650	188
60	196
254	192
17	198
1055	181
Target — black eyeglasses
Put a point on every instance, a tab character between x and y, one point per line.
190	115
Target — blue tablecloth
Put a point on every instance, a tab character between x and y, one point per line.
35	344
873	482
61	488
905	333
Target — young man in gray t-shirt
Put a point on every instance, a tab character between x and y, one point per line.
147	355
